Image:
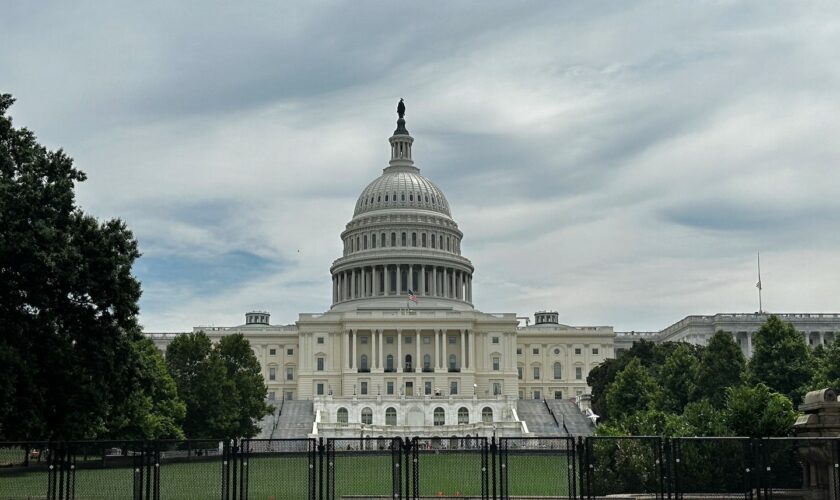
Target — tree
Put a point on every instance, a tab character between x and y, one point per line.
68	300
221	386
721	365
632	390
781	359
676	380
153	409
827	372
600	378
244	370
758	411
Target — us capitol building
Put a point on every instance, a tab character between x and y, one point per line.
428	366
403	350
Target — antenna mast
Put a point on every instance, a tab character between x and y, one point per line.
758	285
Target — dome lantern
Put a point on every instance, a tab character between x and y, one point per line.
401	142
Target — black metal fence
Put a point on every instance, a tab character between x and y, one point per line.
451	467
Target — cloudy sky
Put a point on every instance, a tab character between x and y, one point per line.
619	162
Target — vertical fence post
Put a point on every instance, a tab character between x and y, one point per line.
407	468
244	452
321	463
493	450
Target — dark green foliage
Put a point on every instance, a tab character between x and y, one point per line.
757	411
827	367
68	300
676	379
781	359
721	365
632	390
221	386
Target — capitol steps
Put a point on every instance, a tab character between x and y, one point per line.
295	420
539	420
568	413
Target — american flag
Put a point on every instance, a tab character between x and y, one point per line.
411	295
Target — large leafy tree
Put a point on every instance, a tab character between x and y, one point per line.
827	372
68	300
221	386
781	359
758	411
632	391
721	365
676	379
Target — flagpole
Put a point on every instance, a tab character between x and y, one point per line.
758	285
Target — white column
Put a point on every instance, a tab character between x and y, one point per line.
437	350
433	276
409	278
352	349
822	338
352	283
399	280
749	344
471	335
463	351
422	280
418	365
347	350
380	334
375	281
399	352
444	283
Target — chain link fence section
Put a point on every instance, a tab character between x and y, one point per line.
100	470
26	470
451	467
803	467
278	469
186	469
624	465
541	467
364	467
713	467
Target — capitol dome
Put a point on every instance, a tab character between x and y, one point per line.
402	244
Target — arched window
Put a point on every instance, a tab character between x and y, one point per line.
363	365
393	239
448	247
367	416
386	197
390	416
382	240
439	416
403	239
487	414
433	241
408	365
389	363
402	197
427	363
358	245
373	241
341	416
463	415
452	363
414	239
423	240
365	241
558	371
410	196
440	242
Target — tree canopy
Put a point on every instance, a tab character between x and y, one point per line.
221	385
781	359
68	300
721	365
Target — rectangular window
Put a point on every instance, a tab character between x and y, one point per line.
453	387
290	395
594	351
452	339
408	340
389	388
535	350
363	340
427	388
495	340
497	388
519	372
271	395
518	350
427	340
537	395
272	352
290	352
389	340
558	394
536	373
320	364
320	340
364	387
577	351
578	373
496	363
272	374
319	389
290	373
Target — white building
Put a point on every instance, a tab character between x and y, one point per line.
435	366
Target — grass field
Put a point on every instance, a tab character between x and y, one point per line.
286	478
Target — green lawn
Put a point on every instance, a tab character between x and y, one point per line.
286	478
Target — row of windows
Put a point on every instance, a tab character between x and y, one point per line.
272	373
363	242
289	352
536	350
411	196
389	362
558	372
439	416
